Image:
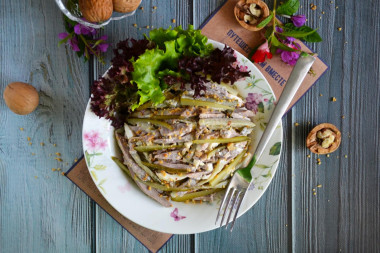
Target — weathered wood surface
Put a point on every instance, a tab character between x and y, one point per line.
40	210
49	214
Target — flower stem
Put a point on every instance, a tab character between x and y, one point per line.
274	20
85	42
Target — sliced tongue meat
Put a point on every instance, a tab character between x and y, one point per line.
136	170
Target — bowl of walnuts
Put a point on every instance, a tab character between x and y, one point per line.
97	13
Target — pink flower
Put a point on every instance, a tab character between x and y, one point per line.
82	29
243	68
288	56
94	141
72	41
124	188
298	20
175	215
253	100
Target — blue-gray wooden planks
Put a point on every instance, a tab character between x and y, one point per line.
41	211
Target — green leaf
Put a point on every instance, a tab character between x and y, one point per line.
298	34
262	166
265	21
101	187
100	167
260	107
275	149
64	40
278	44
269	174
313	37
93	173
88	156
268	32
171	45
288	8
102	181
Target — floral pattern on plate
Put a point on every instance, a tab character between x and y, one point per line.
94	144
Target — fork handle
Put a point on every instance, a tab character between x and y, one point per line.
298	74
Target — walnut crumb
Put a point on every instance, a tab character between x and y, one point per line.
62	173
58	154
320	94
313	7
333	99
154	7
141	8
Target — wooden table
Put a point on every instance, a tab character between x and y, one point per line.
42	211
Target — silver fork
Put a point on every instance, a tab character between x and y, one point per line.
242	178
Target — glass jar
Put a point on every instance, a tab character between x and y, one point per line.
71	10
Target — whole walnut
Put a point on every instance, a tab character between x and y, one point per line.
96	10
125	5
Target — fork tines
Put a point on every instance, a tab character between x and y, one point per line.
231	204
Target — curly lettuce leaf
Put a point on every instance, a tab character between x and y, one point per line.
171	44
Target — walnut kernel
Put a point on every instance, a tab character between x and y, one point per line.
323	139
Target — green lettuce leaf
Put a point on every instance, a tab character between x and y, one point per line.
171	44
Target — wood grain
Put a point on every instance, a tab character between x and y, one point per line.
344	214
40	210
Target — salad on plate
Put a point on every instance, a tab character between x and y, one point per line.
180	123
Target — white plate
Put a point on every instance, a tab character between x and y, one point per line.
99	145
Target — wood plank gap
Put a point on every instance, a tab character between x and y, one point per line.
93	73
291	188
194	237
195	249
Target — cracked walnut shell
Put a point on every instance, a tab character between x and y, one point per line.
250	13
323	139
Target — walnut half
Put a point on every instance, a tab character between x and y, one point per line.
249	13
323	139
